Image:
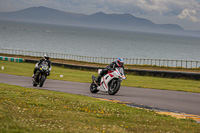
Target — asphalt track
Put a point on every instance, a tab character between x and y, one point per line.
183	102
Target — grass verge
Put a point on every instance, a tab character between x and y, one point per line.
26	69
82	63
33	110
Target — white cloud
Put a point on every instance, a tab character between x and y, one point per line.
177	8
189	14
156	6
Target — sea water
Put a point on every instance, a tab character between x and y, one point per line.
97	42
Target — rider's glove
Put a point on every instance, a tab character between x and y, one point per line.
48	73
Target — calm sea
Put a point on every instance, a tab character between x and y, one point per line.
97	42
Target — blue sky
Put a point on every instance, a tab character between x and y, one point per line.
185	13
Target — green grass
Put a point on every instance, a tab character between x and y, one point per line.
35	111
26	69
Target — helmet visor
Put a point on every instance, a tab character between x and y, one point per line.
121	63
46	58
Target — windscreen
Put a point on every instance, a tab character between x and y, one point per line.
44	65
121	70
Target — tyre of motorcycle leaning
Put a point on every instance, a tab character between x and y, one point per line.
93	88
42	81
116	89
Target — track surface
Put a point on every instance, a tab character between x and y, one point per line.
184	102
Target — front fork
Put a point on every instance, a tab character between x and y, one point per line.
38	76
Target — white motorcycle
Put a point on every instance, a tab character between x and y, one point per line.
110	82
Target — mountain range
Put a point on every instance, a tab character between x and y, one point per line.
99	20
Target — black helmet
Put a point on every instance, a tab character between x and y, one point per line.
46	57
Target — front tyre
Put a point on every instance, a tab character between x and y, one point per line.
43	77
93	88
114	88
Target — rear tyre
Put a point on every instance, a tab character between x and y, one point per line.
34	81
93	88
34	84
112	90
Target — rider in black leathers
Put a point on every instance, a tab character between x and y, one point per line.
43	60
118	63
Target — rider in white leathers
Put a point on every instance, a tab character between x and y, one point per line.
118	63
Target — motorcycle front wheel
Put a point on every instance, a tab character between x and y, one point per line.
42	79
93	88
112	90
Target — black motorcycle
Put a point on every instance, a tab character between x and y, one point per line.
40	75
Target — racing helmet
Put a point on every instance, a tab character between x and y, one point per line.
46	57
120	62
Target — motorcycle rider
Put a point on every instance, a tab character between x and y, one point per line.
118	63
46	60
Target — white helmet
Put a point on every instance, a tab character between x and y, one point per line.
46	57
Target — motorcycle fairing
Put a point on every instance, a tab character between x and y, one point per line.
104	82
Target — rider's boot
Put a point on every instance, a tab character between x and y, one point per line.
98	79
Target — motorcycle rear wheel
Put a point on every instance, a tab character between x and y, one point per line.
34	84
34	79
112	90
93	88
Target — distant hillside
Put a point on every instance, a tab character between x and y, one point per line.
99	20
41	15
